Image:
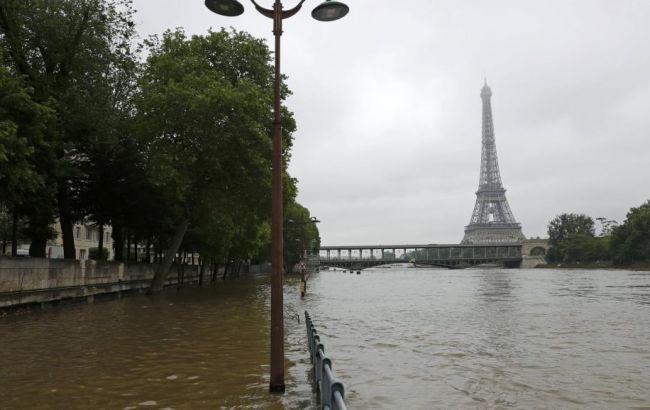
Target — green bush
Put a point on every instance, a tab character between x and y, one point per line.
94	253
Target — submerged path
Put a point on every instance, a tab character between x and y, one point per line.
194	349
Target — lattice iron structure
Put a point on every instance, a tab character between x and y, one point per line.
492	221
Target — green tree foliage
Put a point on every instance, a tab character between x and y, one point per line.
631	240
96	254
606	225
584	248
567	225
22	122
6	225
75	56
572	239
179	142
24	187
204	112
300	235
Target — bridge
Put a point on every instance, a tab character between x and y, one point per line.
444	256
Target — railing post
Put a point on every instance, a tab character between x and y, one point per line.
314	350
326	397
338	396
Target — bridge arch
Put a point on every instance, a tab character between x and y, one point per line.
538	251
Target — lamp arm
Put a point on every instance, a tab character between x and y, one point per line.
291	12
285	14
267	12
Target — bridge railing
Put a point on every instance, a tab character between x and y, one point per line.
425	253
330	391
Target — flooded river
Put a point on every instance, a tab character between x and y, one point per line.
398	339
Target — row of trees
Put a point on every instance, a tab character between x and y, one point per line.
573	238
173	151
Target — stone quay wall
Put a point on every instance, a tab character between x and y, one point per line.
29	281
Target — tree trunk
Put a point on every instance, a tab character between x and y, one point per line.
201	270
135	248
158	250
215	270
128	247
148	254
179	273
118	242
183	263
37	248
100	246
163	269
225	269
65	220
14	233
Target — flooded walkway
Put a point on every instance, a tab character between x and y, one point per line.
194	349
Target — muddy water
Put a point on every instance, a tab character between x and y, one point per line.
197	349
525	339
399	339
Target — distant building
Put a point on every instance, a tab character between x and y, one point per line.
86	237
492	220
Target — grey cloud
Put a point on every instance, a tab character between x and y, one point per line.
388	109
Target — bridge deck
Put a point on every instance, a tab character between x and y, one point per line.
450	256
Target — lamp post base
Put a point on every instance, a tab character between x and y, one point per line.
276	388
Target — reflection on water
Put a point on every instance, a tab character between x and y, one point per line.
398	339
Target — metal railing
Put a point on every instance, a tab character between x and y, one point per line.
331	392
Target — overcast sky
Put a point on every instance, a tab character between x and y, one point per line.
389	115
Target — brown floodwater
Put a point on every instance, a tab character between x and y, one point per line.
398	339
194	349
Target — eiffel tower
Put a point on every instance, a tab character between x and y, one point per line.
492	220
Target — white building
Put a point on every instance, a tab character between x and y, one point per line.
86	237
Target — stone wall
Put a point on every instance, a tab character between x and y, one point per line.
529	262
26	281
530	244
533	252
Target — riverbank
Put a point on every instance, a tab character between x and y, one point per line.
37	282
40	282
644	266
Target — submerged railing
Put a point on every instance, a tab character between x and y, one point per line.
330	391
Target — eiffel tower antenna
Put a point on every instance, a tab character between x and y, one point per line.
492	220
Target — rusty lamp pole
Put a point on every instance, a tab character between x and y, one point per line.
329	10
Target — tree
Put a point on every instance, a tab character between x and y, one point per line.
568	224
300	234
204	112
72	53
5	229
23	157
572	239
631	240
606	226
585	248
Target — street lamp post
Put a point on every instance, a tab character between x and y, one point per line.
329	10
303	279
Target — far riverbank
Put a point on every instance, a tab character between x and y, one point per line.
644	266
